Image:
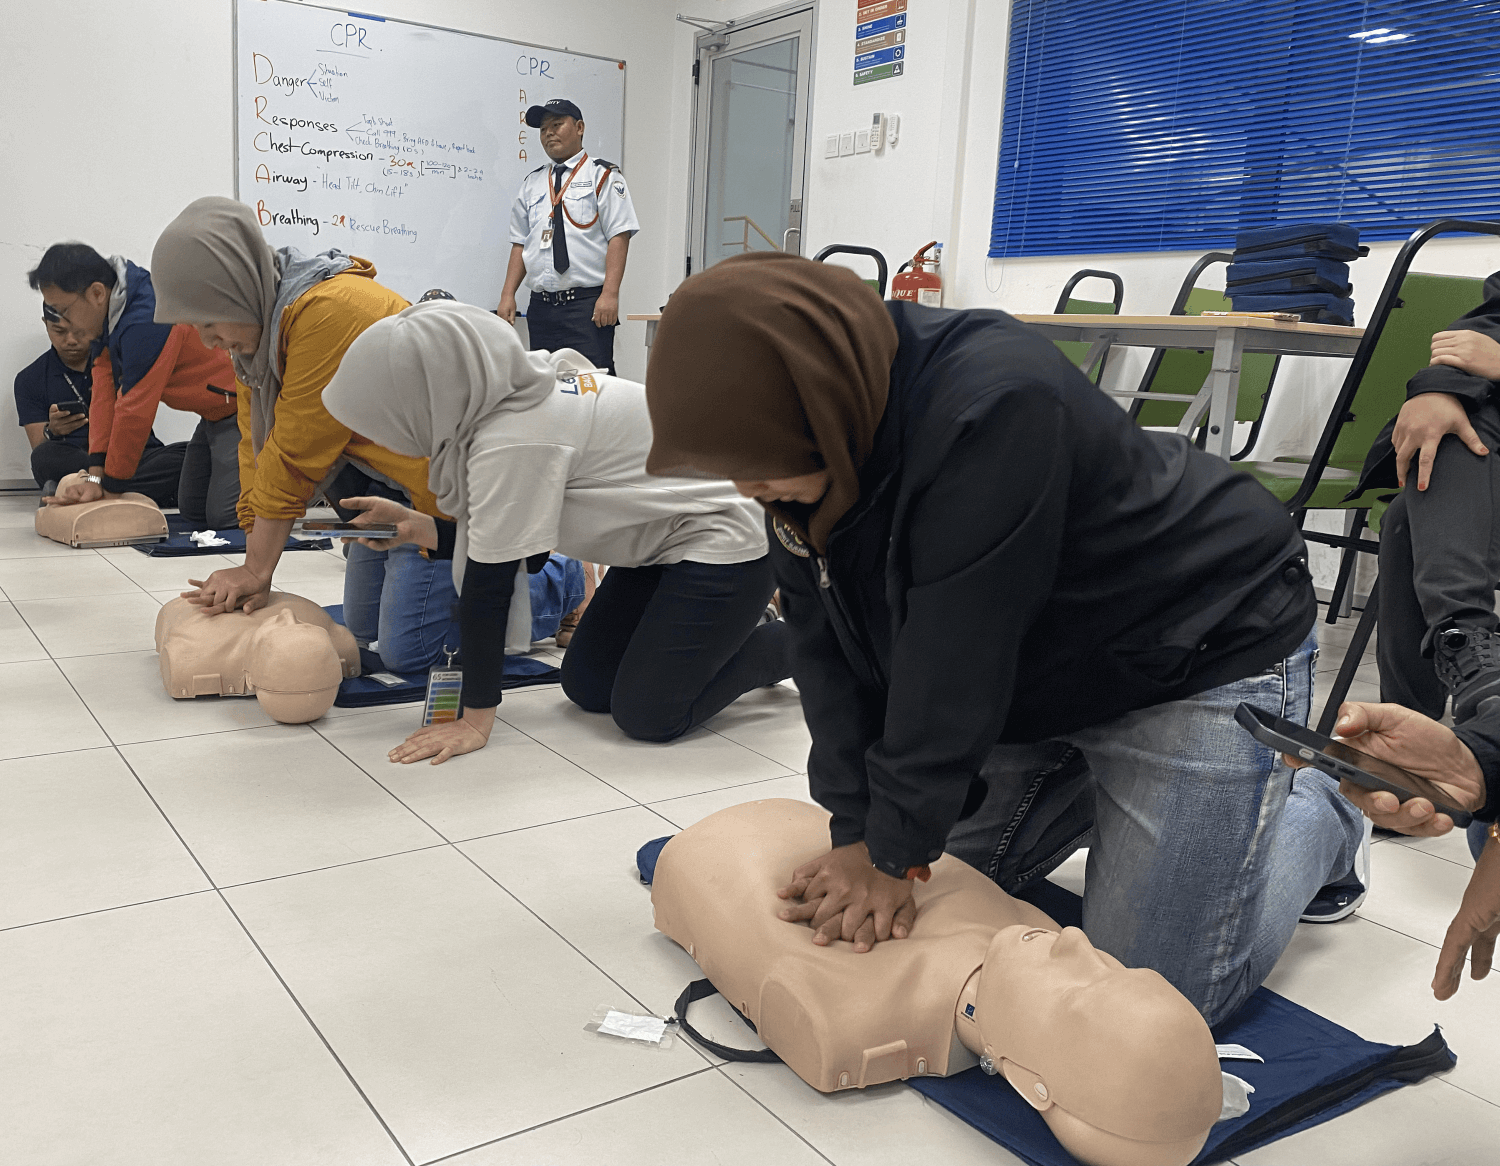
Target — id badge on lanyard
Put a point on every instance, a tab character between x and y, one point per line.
445	688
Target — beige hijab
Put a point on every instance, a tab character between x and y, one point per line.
212	265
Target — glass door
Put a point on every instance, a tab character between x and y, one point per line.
750	146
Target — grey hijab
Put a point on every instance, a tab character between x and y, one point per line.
212	265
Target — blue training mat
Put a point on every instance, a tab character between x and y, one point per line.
1314	1069
362	692
179	544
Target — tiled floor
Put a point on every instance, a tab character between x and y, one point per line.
224	941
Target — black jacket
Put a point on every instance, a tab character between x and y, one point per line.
1023	562
1474	391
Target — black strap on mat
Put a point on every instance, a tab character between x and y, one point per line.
699	990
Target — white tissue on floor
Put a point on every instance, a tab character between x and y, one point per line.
208	538
1236	1096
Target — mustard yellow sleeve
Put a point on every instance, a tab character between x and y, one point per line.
246	455
305	440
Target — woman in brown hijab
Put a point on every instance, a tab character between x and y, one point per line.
1120	593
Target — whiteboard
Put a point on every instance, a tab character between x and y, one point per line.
400	142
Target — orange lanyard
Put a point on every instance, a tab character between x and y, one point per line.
556	195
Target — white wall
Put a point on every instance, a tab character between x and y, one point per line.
118	115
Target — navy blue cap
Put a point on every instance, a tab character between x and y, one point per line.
557	107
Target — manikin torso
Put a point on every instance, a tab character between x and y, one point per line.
981	975
290	654
130	517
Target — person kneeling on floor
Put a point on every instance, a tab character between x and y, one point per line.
1122	593
531	451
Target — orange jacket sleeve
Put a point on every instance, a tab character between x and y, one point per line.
117	439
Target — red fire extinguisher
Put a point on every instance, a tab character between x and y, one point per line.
922	284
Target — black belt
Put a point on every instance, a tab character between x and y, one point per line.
568	295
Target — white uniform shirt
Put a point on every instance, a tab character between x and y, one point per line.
607	210
570	474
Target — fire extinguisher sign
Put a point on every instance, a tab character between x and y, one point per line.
879	41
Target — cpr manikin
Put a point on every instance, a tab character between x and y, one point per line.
130	518
289	653
1119	1064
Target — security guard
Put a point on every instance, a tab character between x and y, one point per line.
569	230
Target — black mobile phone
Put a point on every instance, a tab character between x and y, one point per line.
1338	760
320	528
72	407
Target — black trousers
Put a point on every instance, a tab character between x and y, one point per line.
571	325
662	649
1439	561
157	475
209	490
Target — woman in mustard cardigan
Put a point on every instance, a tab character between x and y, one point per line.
287	319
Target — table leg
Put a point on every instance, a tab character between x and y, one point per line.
1095	354
1224	381
650	334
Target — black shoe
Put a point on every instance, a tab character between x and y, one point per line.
1340	899
1467	661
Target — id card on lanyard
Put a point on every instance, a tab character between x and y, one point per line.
445	688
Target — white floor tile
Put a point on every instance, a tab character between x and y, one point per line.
459	1013
52	578
768	721
23	542
167	573
683	1123
889	1125
1413	892
307	566
16	640
91	626
125	691
266	802
580	878
323	592
509	784
692	764
1378	983
40	712
81	835
1453	846
1430	1123
683	812
156	1035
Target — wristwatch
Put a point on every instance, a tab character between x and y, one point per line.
85	476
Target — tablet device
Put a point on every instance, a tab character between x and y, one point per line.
1340	761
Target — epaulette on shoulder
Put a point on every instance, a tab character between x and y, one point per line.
600	162
539	169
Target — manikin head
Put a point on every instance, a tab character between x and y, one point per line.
295	669
1120	1065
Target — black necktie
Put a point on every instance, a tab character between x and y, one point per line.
559	243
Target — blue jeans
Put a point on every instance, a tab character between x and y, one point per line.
555	590
1203	847
405	602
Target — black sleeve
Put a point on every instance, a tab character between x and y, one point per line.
447	532
1472	390
987	544
1481	733
844	716
483	611
31	393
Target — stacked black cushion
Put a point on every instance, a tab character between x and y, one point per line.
1302	269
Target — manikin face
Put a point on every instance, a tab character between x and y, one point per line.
84	311
562	136
236	339
808	488
71	343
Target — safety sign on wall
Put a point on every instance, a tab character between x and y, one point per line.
879	40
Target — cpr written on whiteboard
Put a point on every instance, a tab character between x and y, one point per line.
387	139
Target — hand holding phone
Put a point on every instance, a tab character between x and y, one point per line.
1457	786
317	528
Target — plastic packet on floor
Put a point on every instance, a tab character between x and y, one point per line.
649	1031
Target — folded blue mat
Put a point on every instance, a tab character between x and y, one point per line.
363	692
1309	273
1313	307
1314	1069
1330	240
180	543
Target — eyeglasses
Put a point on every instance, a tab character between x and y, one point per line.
54	314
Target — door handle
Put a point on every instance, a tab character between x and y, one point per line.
786	236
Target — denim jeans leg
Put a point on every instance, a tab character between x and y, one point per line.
418	611
1190	872
364	580
555	590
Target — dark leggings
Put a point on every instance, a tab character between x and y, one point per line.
662	649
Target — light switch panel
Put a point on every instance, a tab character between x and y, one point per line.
831	146
861	141
846	143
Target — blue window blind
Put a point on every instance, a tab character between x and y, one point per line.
1161	125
